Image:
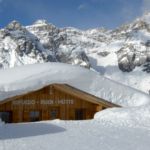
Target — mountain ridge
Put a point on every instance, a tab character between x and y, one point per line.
122	54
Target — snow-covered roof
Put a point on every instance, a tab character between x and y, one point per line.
20	80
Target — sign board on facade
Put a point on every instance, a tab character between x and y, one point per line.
43	102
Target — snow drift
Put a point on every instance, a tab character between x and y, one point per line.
132	117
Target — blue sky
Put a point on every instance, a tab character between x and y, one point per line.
82	14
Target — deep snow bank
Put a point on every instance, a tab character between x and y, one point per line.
23	79
133	116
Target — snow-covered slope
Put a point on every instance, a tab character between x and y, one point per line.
125	57
73	135
122	54
19	46
33	77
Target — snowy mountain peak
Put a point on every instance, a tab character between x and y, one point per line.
14	25
41	22
96	30
146	17
37	43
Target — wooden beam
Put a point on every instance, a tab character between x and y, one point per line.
83	95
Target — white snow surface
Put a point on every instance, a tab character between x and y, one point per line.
20	80
131	116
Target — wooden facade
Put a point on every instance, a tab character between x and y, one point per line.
51	102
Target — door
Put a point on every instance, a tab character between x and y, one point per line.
55	113
6	116
34	116
79	114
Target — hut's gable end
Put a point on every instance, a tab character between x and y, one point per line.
51	102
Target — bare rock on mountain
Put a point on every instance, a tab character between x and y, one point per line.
117	54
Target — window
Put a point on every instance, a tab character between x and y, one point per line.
103	107
6	117
79	114
54	113
34	116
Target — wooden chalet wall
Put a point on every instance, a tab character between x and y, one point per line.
46	100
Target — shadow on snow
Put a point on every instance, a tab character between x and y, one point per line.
11	131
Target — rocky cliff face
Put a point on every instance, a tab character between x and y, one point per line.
18	47
56	40
35	44
122	54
